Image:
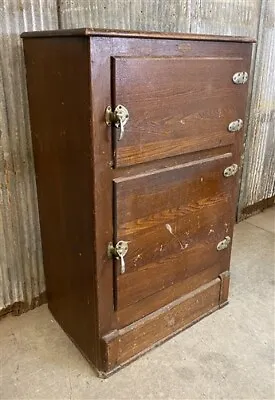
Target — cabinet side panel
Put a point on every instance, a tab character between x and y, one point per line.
58	79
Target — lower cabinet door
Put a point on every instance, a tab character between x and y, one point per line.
178	224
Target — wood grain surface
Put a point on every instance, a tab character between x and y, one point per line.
60	125
173	220
165	296
176	105
121	346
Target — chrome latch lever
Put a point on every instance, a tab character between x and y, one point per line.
119	251
119	118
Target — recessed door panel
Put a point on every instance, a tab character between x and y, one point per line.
173	220
176	105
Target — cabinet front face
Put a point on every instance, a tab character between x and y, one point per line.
171	175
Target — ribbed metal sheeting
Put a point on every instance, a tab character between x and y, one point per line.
156	15
258	182
225	17
21	269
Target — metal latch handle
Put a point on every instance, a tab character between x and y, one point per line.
119	251
119	118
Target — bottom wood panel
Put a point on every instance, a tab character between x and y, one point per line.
121	346
162	298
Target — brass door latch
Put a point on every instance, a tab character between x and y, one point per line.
119	118
119	251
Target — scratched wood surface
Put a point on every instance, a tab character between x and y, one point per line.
162	324
170	115
173	220
104	141
163	297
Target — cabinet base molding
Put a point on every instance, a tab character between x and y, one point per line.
125	345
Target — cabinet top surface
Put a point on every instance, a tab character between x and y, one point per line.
136	34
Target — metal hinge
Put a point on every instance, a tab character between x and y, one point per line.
230	171
224	243
240	78
235	126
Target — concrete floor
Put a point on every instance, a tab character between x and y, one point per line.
228	355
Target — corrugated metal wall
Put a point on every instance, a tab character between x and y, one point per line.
173	15
21	271
258	181
225	17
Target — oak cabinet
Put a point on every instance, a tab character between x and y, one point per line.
137	140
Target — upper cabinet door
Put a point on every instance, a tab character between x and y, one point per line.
176	105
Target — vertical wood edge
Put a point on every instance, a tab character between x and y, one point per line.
224	288
102	181
95	293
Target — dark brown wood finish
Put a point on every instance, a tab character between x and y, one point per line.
150	331
102	177
161	187
225	280
165	296
177	236
58	75
170	115
138	34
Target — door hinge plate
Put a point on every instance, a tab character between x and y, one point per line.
235	126
230	171
224	243
239	78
